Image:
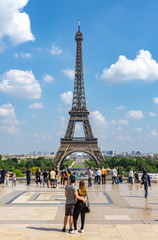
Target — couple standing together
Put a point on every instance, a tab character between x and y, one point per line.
75	205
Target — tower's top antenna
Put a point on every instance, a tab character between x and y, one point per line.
78	25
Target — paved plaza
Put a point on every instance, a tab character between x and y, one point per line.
118	212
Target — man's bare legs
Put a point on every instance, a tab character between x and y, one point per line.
70	222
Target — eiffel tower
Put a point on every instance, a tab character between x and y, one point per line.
78	113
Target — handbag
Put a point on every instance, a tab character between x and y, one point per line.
87	206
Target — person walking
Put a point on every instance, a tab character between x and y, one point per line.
71	197
146	182
80	207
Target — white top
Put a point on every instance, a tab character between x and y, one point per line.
131	173
114	172
98	172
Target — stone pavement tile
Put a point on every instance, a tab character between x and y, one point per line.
148	234
154	227
143	227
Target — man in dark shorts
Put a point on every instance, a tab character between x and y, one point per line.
71	197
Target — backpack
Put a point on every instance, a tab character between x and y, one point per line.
145	178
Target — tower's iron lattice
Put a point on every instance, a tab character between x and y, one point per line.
78	113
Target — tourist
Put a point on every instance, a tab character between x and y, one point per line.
131	176
80	207
114	175
146	182
38	176
52	178
98	176
56	177
28	175
7	178
45	175
14	179
62	178
71	197
65	179
103	175
3	172
89	174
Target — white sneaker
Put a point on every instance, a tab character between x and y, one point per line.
81	230
73	231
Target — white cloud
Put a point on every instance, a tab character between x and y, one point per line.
155	99
14	23
22	55
154	133
99	119
138	130
21	84
55	50
8	119
66	97
134	114
36	105
120	107
143	67
48	78
7	110
123	121
124	137
152	114
70	73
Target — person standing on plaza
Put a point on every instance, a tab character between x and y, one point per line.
98	176
146	182
71	198
3	172
114	175
103	175
80	207
131	176
28	175
52	178
45	175
56	177
62	178
38	176
7	178
14	179
89	174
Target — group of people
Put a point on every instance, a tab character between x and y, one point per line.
5	176
50	178
100	176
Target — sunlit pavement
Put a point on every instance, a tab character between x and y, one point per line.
117	212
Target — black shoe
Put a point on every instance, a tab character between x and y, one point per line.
70	230
63	230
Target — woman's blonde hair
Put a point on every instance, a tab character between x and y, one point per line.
82	188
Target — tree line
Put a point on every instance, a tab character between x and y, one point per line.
124	164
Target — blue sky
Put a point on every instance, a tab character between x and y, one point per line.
37	60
